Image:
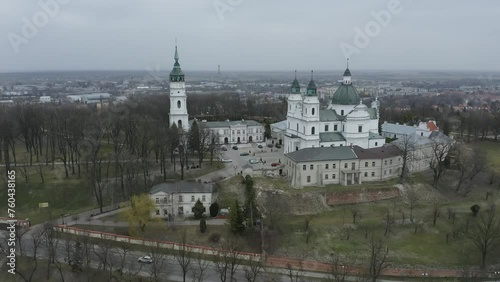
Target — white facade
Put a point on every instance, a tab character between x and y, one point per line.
236	132
343	124
178	199
178	105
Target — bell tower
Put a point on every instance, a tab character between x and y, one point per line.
178	107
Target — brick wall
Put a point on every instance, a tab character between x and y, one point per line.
339	198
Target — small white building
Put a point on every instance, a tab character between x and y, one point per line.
235	132
396	130
45	99
178	198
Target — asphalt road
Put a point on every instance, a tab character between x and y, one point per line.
237	161
169	269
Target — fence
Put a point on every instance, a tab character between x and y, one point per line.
269	261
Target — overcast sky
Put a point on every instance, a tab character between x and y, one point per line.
251	35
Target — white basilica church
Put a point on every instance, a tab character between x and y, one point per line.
346	121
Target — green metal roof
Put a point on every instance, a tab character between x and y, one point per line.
322	154
372	112
295	86
176	74
346	94
311	88
331	137
328	115
347	72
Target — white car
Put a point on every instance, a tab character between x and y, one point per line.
226	160
145	259
253	161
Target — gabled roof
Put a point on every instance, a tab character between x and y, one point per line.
386	151
331	137
219	124
322	154
182	187
329	115
398	128
432	126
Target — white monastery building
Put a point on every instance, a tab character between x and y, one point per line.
346	121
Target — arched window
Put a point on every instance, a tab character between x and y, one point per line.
313	130
179	104
313	111
179	124
297	127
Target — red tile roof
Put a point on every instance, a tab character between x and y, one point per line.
432	126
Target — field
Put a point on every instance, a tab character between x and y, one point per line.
331	229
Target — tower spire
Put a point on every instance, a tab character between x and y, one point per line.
295	74
176	56
347	63
312	74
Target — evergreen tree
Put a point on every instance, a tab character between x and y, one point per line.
214	209
194	137
250	199
267	130
236	219
203	225
198	209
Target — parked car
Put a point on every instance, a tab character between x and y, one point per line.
235	147
260	146
145	259
226	160
223	148
275	164
244	154
270	145
253	161
278	146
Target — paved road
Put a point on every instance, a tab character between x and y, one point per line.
235	167
169	269
125	224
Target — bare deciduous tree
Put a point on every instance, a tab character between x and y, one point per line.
378	252
484	232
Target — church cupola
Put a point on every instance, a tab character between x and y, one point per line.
347	75
176	75
311	87
295	85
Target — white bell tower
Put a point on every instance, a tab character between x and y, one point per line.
178	99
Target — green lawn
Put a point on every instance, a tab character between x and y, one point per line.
249	242
493	152
70	195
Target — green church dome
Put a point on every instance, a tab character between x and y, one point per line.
295	85
346	94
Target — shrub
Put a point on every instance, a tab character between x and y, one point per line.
214	237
